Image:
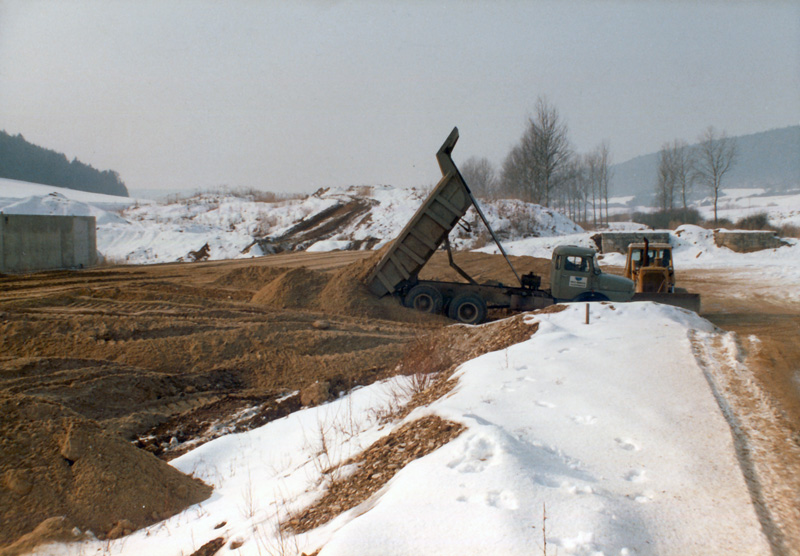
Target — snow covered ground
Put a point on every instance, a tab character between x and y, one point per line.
733	204
11	191
623	451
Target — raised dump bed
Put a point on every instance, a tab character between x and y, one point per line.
427	229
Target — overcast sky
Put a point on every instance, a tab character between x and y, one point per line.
292	96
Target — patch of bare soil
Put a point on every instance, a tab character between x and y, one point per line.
57	463
375	466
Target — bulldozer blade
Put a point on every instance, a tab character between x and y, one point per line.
689	301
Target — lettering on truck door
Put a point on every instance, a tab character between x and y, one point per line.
578	282
576	275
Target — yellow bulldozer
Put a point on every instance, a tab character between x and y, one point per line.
650	267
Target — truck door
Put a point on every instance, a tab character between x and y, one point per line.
573	275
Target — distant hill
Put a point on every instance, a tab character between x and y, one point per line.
770	159
24	161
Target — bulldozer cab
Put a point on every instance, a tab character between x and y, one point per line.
650	267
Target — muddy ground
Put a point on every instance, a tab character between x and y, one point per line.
155	354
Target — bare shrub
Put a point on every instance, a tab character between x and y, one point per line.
364	191
789	230
261	196
758	221
668	219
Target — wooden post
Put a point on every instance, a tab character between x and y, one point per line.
587	314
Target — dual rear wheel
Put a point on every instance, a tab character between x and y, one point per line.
468	308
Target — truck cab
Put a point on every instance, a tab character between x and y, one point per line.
575	275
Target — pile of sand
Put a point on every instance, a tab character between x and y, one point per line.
249	277
297	288
340	293
56	463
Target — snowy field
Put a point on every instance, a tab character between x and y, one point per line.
620	456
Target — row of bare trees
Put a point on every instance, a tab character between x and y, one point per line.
544	169
681	167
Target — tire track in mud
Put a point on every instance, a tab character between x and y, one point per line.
153	342
762	437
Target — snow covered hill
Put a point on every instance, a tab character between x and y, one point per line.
237	226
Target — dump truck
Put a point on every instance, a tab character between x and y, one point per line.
575	274
651	268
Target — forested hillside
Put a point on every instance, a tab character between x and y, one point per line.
770	159
21	160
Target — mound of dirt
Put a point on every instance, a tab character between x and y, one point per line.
296	288
346	293
340	293
57	463
249	277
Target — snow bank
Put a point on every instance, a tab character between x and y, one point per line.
12	190
627	452
57	204
610	428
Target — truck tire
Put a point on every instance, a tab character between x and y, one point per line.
424	298
591	296
468	308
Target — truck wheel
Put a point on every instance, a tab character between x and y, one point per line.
591	296
467	308
424	298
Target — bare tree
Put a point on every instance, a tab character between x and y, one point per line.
574	180
603	176
682	163
716	154
480	175
531	169
665	183
593	164
550	147
675	175
516	178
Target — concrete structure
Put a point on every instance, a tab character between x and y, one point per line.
745	241
618	241
29	242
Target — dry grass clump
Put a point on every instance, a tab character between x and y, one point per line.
758	221
789	230
428	364
375	467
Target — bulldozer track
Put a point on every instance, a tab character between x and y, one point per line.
132	346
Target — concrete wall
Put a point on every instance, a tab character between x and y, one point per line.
747	241
618	241
33	242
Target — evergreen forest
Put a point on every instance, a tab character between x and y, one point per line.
24	161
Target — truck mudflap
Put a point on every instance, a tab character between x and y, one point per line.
689	301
